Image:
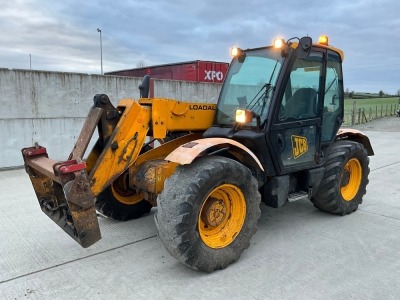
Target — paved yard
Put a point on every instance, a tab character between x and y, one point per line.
298	251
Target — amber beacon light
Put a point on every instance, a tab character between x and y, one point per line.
323	40
278	43
236	52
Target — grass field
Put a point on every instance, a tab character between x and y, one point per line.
373	107
369	103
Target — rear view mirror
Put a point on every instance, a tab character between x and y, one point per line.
304	48
144	87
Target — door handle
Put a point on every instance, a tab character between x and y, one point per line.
280	141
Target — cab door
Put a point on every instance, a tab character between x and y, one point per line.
296	129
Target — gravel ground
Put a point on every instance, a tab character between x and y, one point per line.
389	124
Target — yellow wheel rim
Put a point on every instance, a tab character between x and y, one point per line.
351	179
125	197
222	216
122	193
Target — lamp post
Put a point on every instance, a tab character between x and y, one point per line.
101	51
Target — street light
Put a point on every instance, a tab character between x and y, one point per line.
101	51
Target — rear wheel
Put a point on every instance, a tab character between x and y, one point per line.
346	177
119	203
208	212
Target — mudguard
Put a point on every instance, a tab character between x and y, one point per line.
357	136
186	153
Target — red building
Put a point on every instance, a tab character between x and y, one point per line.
198	70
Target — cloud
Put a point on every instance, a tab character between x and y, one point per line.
62	36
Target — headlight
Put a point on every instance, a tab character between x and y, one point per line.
244	116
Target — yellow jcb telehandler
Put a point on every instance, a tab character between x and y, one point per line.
274	136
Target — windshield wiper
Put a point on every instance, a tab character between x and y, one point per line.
257	98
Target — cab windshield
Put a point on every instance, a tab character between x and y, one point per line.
249	85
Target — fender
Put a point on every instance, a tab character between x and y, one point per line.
357	136
186	153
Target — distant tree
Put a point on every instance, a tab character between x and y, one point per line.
141	63
351	94
381	93
398	92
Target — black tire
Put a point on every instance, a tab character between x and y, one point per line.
188	192
110	206
345	180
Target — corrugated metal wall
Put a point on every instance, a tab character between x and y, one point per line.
198	70
50	107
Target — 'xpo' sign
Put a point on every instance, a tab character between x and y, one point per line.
212	75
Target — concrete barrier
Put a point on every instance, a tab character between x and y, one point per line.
50	107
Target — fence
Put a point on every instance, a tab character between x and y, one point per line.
361	115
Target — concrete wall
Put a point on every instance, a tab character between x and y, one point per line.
50	107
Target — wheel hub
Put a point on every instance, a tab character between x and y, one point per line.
222	216
125	196
213	212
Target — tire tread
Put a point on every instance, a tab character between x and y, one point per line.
328	196
178	204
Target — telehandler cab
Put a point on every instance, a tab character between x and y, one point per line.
274	136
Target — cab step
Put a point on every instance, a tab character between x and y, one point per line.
297	196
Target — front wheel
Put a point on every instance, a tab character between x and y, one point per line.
345	180
208	212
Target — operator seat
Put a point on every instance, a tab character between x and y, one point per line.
302	103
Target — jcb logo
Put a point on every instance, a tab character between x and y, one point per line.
210	75
299	145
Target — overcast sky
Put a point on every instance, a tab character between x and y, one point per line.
62	35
